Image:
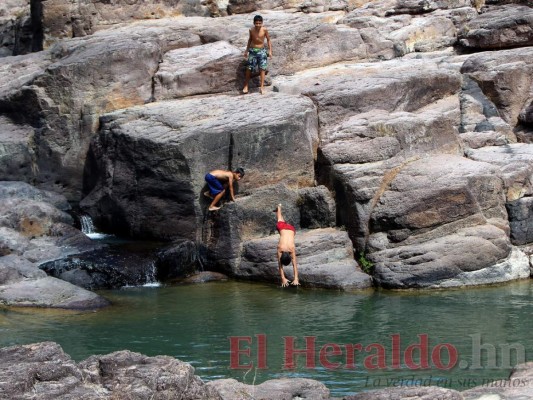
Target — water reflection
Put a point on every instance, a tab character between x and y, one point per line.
194	323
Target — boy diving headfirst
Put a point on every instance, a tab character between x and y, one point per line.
286	252
256	53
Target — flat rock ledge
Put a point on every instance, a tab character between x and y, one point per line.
43	371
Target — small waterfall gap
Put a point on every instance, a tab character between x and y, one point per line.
87	225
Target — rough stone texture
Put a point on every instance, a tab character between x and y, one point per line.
519	386
60	19
12	189
62	103
499	27
44	371
365	124
15	268
317	208
124	373
433	211
393	85
481	124
49	292
178	142
365	153
515	162
505	77
15	27
325	259
33	230
424	34
274	389
404	393
521	220
211	68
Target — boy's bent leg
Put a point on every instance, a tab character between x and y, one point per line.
262	77
212	206
278	214
246	80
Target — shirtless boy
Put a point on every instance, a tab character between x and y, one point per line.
286	250
256	53
218	180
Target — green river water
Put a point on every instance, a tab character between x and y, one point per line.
194	323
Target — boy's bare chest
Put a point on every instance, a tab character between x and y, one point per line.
258	36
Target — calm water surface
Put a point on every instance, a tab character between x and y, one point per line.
194	323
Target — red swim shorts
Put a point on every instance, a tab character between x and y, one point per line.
281	225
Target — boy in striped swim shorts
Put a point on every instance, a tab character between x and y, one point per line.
256	54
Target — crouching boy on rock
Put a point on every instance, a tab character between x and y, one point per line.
217	181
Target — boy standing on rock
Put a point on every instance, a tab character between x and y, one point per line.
256	53
217	181
286	250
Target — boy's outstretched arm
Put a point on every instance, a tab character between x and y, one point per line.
269	43
284	280
248	44
295	281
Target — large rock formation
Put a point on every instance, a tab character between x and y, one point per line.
45	371
421	152
33	230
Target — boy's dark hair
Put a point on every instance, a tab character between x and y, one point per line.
258	18
239	171
285	258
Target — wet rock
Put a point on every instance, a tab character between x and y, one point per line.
178	260
325	259
204	277
108	268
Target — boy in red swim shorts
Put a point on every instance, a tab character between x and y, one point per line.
286	250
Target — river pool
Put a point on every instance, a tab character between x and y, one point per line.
354	342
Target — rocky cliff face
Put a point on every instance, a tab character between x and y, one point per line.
387	122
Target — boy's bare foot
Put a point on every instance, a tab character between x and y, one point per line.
261	90
208	194
245	90
295	283
214	208
276	209
284	282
